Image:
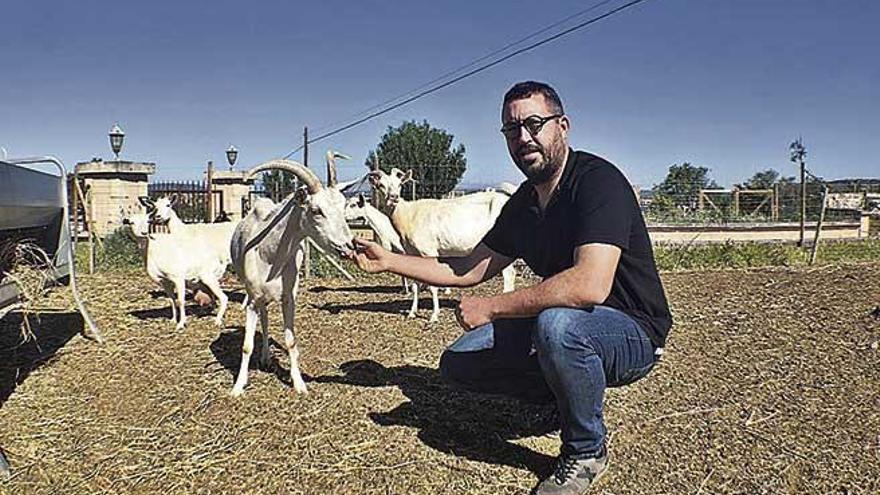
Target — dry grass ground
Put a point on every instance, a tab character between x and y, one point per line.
771	384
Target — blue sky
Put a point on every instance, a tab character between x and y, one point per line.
719	83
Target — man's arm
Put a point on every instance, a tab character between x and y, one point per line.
586	283
480	265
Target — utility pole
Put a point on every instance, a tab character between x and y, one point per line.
798	154
307	251
374	198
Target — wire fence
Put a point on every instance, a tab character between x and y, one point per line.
780	203
191	199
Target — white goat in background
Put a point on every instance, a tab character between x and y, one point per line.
218	234
357	208
175	261
438	227
267	254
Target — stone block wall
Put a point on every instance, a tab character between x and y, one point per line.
112	187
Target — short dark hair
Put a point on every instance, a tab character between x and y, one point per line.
526	89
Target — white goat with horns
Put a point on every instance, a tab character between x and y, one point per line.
439	227
267	254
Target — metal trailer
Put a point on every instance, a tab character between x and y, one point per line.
34	206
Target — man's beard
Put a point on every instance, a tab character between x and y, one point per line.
543	169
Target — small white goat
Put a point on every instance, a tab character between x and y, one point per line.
267	253
438	227
175	261
217	235
357	208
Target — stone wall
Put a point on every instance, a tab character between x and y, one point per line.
234	189
111	188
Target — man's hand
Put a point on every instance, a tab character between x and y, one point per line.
369	256
473	312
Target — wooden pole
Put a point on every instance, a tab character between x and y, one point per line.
209	188
736	203
306	146
819	225
775	203
374	197
87	203
307	251
803	202
75	212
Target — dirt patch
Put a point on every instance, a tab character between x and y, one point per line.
770	384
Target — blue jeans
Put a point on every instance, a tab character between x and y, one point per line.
565	356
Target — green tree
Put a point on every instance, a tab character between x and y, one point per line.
437	166
765	179
681	187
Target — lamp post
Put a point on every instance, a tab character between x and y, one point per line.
116	138
231	155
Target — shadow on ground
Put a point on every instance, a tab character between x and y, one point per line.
20	357
227	352
477	427
164	313
401	306
362	289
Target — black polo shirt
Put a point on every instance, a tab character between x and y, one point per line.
593	203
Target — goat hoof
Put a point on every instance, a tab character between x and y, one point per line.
236	391
300	389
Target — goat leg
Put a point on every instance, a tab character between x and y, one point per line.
247	347
180	287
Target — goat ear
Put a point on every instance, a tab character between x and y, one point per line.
361	201
301	196
374	178
173	199
146	201
408	176
345	186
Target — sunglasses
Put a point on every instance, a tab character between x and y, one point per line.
533	125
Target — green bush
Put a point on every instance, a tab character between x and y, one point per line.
754	254
119	252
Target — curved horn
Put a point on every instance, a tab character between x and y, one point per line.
331	168
305	175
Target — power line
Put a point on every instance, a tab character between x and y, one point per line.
472	63
470	73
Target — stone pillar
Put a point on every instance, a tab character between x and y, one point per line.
114	186
234	189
